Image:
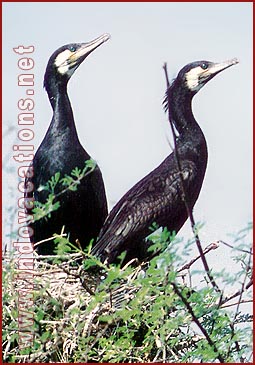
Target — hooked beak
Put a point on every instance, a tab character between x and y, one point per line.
85	49
215	68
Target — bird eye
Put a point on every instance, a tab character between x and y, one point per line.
72	48
204	66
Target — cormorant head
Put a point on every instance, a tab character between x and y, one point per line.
65	60
196	74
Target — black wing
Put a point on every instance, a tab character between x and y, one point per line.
156	198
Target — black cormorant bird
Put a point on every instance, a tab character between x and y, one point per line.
82	212
158	196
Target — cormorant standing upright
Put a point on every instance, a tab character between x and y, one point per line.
82	212
158	196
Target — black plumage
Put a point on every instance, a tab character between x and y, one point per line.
158	196
82	212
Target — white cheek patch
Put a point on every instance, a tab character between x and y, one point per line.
63	69
62	57
192	79
61	63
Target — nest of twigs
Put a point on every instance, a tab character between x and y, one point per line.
62	292
66	309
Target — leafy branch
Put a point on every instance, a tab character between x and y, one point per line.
68	182
147	311
196	320
232	325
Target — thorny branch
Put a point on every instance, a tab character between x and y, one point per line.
196	320
212	246
238	249
232	324
243	301
227	299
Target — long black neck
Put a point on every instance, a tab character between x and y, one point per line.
63	119
180	107
191	143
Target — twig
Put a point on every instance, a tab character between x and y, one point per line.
86	329
232	324
196	320
238	249
74	183
210	247
80	248
236	294
243	286
49	239
243	301
189	211
99	335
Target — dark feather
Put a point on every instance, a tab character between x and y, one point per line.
159	197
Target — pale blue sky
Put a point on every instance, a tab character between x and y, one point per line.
117	93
